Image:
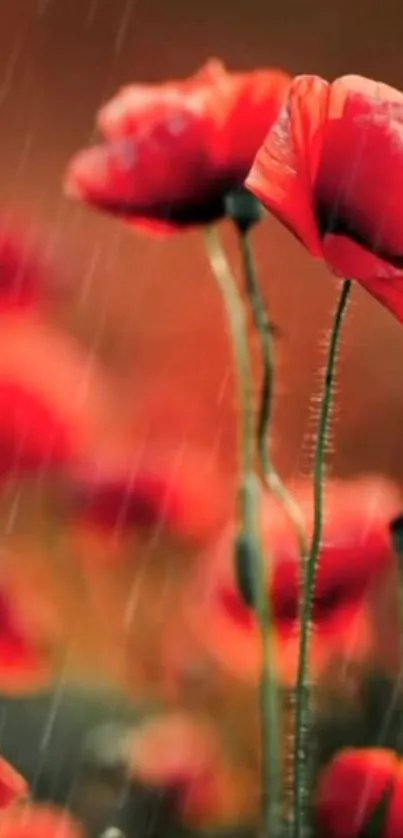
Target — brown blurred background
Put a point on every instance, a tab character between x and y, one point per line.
151	306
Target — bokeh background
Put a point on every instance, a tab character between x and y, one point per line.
150	307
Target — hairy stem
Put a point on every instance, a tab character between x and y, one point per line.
250	495
302	706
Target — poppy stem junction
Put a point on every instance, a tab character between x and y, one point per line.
252	551
302	705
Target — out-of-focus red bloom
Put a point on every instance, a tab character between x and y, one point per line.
183	753
33	437
38	821
46	374
352	787
174	150
184	498
356	577
331	169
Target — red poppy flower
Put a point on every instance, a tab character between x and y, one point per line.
183	497
356	578
174	150
351	789
33	437
331	169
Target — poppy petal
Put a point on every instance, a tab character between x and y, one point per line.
360	161
13	787
176	149
32	437
351	788
283	173
160	172
394	817
334	155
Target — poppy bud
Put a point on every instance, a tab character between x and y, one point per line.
246	558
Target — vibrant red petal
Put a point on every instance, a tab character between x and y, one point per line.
162	172
351	788
136	104
394	818
361	166
176	149
13	787
257	101
283	173
32	436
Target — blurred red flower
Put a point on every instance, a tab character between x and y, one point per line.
184	498
184	753
33	436
356	578
174	150
351	788
331	168
23	267
38	821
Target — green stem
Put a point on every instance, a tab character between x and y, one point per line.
236	321
302	707
250	523
261	321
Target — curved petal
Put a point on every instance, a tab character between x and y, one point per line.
161	172
32	436
393	824
174	150
13	787
358	185
351	788
284	170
